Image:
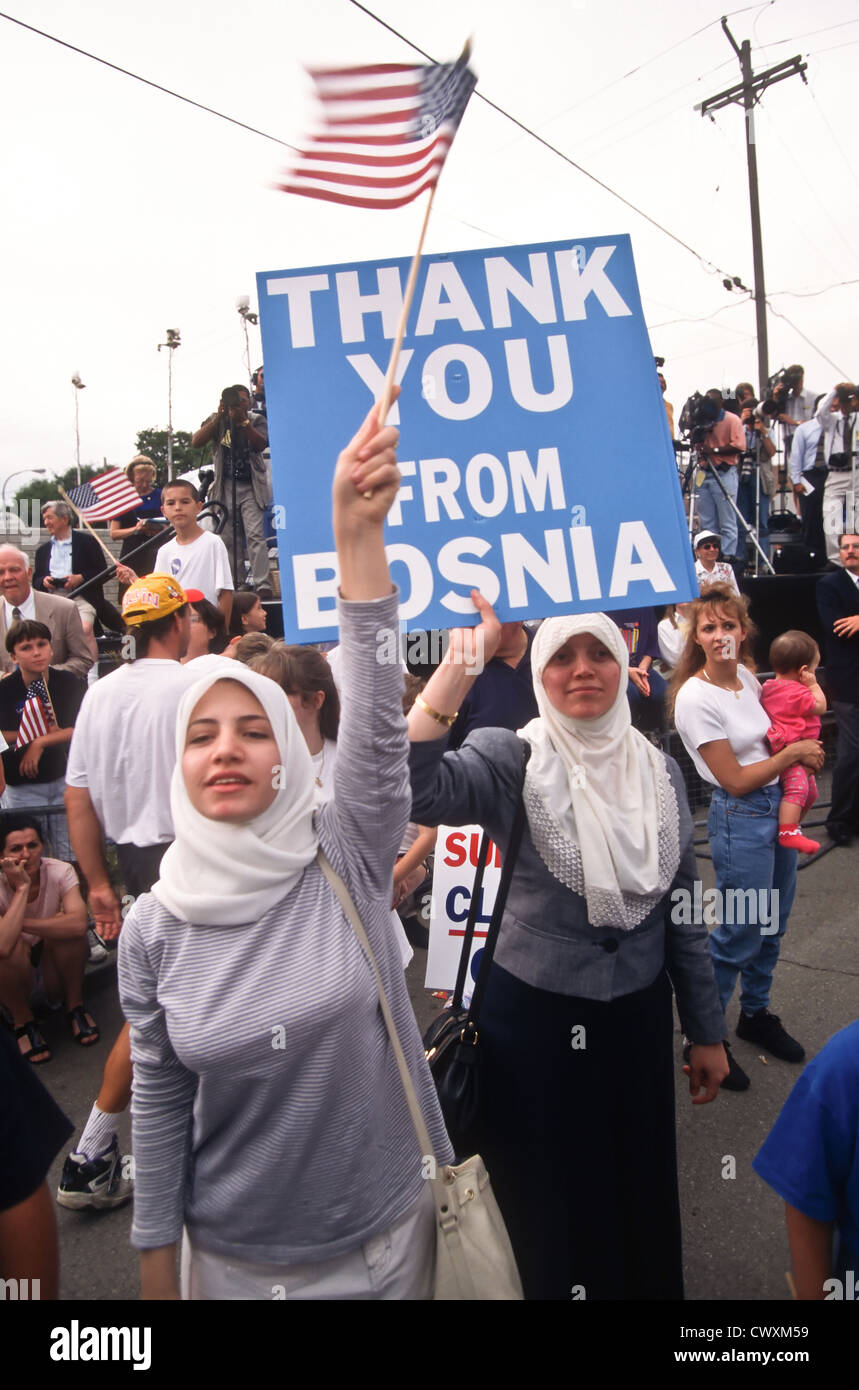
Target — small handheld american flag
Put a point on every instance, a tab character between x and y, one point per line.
388	128
37	716
105	497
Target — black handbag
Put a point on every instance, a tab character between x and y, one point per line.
451	1041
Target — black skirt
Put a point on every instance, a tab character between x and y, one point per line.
578	1136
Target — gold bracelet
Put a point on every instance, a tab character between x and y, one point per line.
446	719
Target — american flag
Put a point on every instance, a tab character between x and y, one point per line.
388	128
105	497
37	716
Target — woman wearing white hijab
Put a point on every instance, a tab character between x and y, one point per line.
576	1032
270	1122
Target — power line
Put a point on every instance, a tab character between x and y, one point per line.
703	318
600	91
847	160
811	294
704	260
147	82
806	339
833	48
799	38
648	106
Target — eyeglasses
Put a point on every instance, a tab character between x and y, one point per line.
709	545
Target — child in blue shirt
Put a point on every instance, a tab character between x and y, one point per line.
811	1158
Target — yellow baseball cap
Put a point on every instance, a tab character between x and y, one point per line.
153	596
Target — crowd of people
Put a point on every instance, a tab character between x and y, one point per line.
794	448
220	787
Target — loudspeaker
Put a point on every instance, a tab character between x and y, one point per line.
791	557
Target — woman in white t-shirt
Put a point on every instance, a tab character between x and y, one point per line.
719	716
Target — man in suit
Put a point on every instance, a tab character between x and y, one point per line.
59	614
68	560
838	606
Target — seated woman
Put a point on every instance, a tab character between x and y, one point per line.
208	629
305	678
709	569
145	522
248	615
576	1030
43	923
270	1121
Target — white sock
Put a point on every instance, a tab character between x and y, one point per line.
98	1133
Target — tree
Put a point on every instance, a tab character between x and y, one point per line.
154	443
151	442
43	490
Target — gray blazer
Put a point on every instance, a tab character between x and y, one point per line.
545	938
67	636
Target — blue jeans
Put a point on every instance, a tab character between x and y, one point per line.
743	835
715	512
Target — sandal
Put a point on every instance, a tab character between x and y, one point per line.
85	1034
37	1044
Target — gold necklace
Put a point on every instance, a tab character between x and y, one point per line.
736	693
321	768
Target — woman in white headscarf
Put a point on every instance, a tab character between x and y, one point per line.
270	1122
576	1032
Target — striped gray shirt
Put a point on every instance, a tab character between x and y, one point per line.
268	1112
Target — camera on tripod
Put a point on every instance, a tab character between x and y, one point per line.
698	417
779	387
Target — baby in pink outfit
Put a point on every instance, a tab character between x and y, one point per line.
794	702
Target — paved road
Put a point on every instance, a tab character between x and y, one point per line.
735	1246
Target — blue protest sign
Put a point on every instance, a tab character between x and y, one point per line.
537	463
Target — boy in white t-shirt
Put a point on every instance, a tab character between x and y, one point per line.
195	558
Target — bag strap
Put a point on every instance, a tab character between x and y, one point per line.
465	954
507	869
344	897
442	1180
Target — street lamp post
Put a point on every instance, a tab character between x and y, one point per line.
243	305
6	481
79	386
173	341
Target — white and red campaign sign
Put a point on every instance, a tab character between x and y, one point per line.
456	854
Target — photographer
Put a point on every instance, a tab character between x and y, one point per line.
796	405
239	439
723	442
808	473
756	481
837	418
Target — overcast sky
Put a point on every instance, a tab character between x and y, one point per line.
126	212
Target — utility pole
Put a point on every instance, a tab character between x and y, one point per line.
748	92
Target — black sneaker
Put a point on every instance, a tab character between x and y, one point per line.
96	1182
765	1029
736	1080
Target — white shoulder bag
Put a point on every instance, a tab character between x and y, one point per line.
474	1257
